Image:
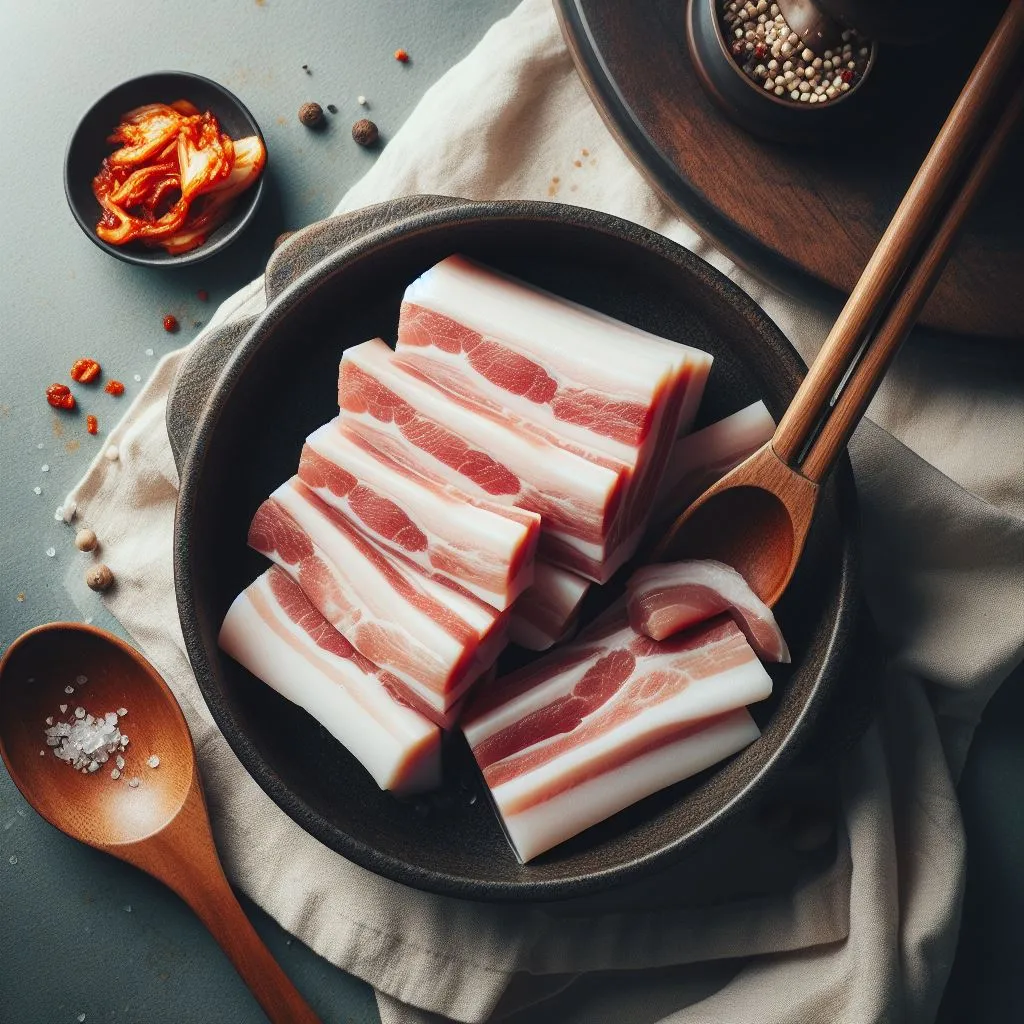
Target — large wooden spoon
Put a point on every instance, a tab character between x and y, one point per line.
160	825
756	518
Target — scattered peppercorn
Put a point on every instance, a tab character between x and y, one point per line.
170	323
114	387
99	577
402	56
331	108
365	132
60	397
311	114
85	371
85	539
305	67
202	294
92	424
282	238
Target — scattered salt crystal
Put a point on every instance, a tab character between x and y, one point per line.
121	712
50	552
361	100
44	468
110	718
112	453
138	376
64	707
149	351
81	1018
93	765
119	761
134	783
42	753
79	713
115	773
37	490
153	761
12	859
67	689
81	680
40	446
49	719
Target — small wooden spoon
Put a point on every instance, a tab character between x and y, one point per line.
756	518
161	826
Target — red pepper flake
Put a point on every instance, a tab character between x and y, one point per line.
170	323
92	424
203	294
114	387
760	51
60	397
85	371
847	75
402	56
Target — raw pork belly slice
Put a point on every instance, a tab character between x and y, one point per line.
484	548
605	387
432	638
273	630
700	459
486	456
546	612
664	599
614	717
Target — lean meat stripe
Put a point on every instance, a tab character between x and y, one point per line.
664	599
487	456
432	638
483	547
273	630
599	386
614	717
546	612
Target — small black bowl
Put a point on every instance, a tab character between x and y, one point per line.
751	106
88	146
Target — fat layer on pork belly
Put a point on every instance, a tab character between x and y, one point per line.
486	548
272	630
431	637
547	611
605	708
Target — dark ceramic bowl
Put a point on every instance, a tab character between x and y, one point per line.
237	434
752	107
88	146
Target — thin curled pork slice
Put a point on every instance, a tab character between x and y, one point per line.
273	631
547	611
600	386
664	599
433	639
702	458
481	546
601	723
487	456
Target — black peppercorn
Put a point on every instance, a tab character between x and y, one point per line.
365	132
311	114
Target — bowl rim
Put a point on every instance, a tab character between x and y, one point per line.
206	249
780	101
838	647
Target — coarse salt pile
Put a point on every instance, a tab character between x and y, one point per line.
86	741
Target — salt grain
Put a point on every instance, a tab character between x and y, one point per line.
49	719
40	446
361	100
80	714
121	712
37	490
115	773
81	1018
50	552
64	707
44	468
138	377
149	351
67	689
134	783
119	761
42	753
153	761
12	859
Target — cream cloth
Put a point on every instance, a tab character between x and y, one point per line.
751	929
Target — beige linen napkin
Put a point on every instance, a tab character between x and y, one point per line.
750	929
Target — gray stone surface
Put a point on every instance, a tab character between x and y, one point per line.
68	943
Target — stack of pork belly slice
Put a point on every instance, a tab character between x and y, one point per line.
465	496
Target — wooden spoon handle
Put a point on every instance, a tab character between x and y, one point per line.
929	194
866	376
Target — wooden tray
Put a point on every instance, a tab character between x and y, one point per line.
804	217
